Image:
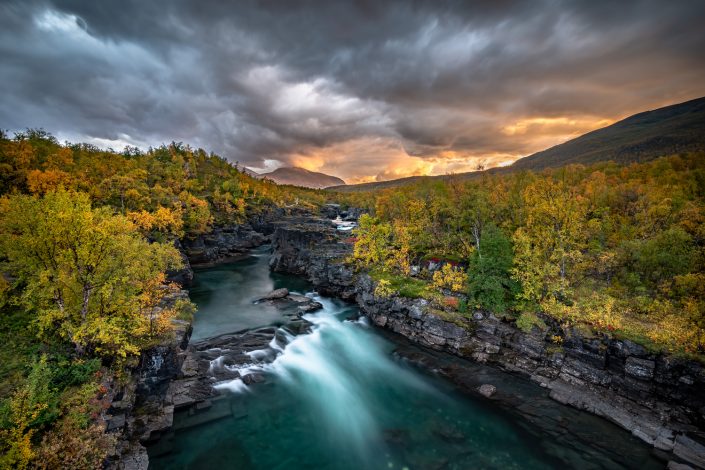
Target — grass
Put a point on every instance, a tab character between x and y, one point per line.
454	317
405	286
527	321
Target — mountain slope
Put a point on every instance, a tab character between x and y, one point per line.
301	177
644	136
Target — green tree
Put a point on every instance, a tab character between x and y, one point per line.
650	263
84	270
32	405
490	283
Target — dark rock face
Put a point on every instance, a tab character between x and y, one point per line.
222	244
183	276
143	408
659	398
311	248
655	397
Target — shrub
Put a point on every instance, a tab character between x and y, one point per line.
452	302
463	306
527	321
384	288
449	277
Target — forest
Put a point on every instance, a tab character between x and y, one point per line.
86	242
87	239
607	248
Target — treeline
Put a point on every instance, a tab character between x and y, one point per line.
607	247
174	189
86	238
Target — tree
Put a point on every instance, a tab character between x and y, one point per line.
196	214
83	270
450	277
40	182
490	284
24	412
399	257
548	247
371	247
657	260
475	215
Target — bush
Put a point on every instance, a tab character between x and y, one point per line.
70	373
527	321
384	289
452	302
463	306
405	286
451	278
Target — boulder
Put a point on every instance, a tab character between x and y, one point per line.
487	390
275	294
311	306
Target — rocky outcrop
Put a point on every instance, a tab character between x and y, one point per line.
331	211
183	276
275	294
310	247
143	408
222	244
658	398
178	374
225	243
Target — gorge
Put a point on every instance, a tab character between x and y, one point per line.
327	388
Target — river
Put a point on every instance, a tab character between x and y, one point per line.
346	396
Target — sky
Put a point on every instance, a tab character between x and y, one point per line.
366	91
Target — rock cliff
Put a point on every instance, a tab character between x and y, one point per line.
143	408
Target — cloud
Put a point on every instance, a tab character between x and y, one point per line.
363	90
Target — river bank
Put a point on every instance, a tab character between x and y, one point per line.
658	399
306	382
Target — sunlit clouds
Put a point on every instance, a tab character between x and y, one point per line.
365	91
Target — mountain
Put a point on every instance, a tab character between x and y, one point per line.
301	177
249	172
664	131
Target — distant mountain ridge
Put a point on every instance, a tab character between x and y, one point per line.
644	136
301	177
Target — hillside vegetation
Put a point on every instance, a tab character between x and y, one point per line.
86	237
665	131
618	249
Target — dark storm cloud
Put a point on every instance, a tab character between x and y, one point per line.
296	80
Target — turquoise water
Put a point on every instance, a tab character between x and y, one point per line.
224	295
341	397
